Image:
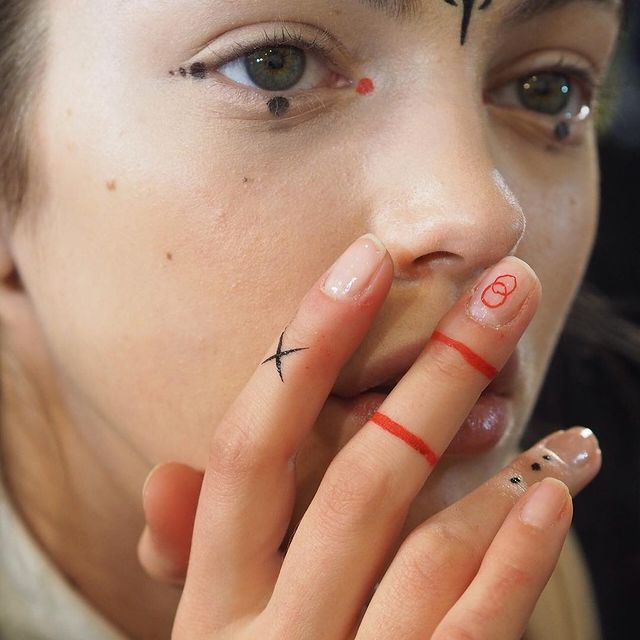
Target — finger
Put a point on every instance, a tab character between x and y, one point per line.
515	569
249	485
170	498
363	499
439	559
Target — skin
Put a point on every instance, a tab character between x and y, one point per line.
180	227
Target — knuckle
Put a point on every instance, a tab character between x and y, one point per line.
447	362
426	555
457	631
235	450
354	491
511	576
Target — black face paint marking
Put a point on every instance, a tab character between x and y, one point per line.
278	106
467	12
536	466
516	480
278	355
547	457
198	70
562	131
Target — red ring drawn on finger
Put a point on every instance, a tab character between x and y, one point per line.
496	294
470	356
411	439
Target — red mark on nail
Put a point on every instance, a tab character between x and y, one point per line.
365	85
412	440
496	294
470	356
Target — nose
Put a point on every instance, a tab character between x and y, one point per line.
439	200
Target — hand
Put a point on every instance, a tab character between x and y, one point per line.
474	570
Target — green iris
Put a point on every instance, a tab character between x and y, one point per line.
545	92
275	68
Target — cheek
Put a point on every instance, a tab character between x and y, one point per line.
159	277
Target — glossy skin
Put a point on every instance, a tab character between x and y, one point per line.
181	226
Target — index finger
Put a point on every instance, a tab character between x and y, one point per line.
248	490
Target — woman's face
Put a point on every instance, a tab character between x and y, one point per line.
184	220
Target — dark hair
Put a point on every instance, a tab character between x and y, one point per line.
22	44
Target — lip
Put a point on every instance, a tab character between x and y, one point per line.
490	419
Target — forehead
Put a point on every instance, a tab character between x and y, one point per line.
407	9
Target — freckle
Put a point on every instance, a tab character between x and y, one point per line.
198	70
172	72
183	71
169	255
245	180
111	185
69	112
365	85
536	466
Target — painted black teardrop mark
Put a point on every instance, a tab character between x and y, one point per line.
279	354
467	11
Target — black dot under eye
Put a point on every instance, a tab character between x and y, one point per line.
545	92
516	480
536	466
276	68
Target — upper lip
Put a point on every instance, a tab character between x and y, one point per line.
386	371
389	370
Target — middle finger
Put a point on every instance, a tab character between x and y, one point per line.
363	499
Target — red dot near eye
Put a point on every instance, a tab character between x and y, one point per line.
365	85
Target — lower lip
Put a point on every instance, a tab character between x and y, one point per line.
482	430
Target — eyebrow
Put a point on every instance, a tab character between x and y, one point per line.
522	11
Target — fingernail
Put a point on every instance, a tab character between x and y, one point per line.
577	448
544	502
500	294
146	482
354	269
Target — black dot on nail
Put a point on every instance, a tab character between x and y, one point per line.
278	106
562	130
547	457
516	480
536	466
198	70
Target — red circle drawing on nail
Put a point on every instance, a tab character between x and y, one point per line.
365	85
496	294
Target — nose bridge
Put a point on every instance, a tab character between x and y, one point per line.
438	193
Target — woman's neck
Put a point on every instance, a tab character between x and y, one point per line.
80	497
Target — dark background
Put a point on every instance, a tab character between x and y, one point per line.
594	379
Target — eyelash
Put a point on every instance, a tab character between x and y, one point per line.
325	46
321	44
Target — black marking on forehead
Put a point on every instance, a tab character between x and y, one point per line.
467	11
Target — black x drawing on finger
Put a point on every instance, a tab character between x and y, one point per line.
467	12
279	354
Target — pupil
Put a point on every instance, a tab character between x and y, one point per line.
545	92
275	68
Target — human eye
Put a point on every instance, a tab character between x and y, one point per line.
554	97
296	62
